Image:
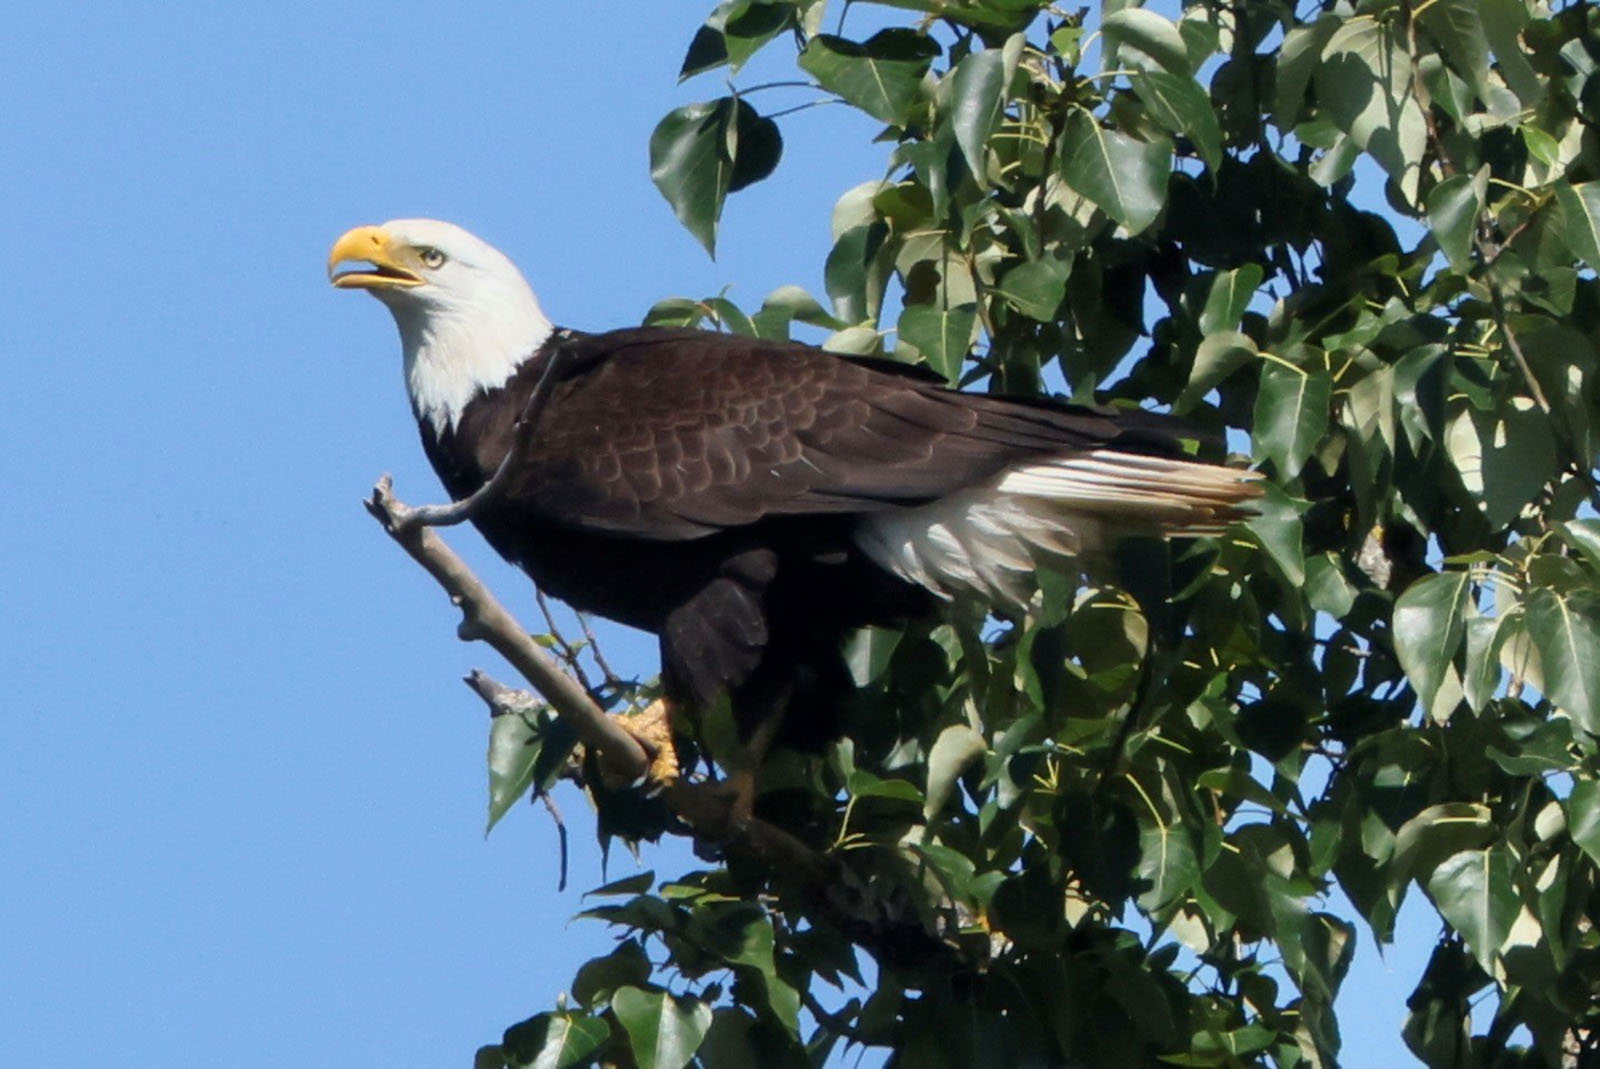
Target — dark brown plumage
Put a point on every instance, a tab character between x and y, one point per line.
709	488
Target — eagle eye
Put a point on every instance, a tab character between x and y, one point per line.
431	257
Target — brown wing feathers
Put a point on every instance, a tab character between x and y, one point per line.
675	434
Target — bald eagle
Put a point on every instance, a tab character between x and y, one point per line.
752	501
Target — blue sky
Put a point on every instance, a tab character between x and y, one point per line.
241	785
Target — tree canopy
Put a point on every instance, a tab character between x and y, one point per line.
1356	242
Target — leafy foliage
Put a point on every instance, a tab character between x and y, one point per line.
1359	240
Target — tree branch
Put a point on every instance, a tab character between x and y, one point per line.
707	809
1513	346
484	619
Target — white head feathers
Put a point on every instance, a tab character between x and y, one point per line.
466	315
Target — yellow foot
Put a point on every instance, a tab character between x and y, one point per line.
652	726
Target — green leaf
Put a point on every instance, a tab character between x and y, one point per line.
675	312
1438	1028
1364	83
1135	991
1454	208
702	152
1541	146
1124	177
1150	34
953	869
1458	27
863	784
882	76
730	1042
1584	536
870	653
1036	289
554	1040
1291	414
1583	817
1181	106
790	304
1505	457
1297	61
953	751
1327	947
734	32
1503	21
943	336
977	92
515	742
598	978
1419	381
1218	355
1477	893
1580	219
1429	620
1565	629
854	341
847	273
730	317
664	1031
784	1002
1438	832
1327	588
1278	526
1482	676
638	883
738	932
1231	293
1168	865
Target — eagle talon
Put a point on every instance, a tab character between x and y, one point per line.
651	727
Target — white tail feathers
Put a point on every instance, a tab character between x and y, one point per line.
986	542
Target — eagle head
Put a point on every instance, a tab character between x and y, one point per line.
467	317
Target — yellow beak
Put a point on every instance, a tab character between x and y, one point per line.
394	265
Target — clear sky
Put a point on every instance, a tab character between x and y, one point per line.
241	786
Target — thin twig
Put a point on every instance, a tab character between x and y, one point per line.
561	834
501	699
569	654
613	681
1497	301
522	437
1419	92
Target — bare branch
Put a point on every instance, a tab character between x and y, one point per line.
707	809
570	655
613	681
1514	347
501	699
484	619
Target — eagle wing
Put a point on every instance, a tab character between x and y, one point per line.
678	434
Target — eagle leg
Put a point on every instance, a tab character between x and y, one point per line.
740	786
652	727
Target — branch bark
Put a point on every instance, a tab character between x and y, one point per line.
705	808
484	619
